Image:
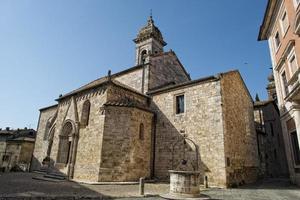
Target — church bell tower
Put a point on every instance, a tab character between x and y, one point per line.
149	41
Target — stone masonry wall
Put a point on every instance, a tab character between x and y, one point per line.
89	143
202	122
240	136
165	69
116	93
41	145
90	137
26	152
273	161
132	79
275	140
125	157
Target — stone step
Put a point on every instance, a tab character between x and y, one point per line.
57	174
40	172
42	178
58	177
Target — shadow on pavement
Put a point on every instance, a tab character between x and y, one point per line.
22	186
271	183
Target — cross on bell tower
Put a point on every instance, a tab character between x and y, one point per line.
149	41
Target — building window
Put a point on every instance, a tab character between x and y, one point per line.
85	113
277	40
143	56
295	146
141	132
284	83
296	3
179	104
284	22
292	63
272	129
228	161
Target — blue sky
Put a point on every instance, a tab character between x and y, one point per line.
50	47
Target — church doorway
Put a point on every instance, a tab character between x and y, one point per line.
65	144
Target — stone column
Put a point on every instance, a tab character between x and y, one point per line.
297	123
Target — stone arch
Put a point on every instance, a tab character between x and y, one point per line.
143	56
65	142
85	114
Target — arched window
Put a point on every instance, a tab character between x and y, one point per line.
143	56
141	132
64	146
85	113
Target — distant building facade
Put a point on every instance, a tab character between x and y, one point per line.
133	123
271	149
16	149
281	27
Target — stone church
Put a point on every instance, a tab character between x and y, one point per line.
148	119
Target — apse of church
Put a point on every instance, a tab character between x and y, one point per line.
122	126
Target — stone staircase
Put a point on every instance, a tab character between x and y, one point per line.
48	175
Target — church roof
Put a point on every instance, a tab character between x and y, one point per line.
90	85
185	84
262	103
269	13
104	80
150	31
126	103
48	107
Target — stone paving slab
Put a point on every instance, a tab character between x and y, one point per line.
22	186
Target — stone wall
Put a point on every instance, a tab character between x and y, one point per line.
165	69
273	161
20	153
89	142
133	79
118	94
125	156
90	136
41	145
26	152
239	132
202	122
2	153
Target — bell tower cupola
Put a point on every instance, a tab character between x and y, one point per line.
149	41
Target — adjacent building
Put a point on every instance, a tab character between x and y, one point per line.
16	149
271	149
281	27
151	118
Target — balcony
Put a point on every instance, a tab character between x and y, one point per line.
294	87
297	24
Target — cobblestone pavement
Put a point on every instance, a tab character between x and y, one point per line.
22	185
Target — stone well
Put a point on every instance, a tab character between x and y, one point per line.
184	183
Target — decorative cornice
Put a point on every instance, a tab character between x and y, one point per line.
269	13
